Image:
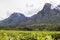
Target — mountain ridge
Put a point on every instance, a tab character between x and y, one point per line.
46	15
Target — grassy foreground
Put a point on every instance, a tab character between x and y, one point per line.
29	35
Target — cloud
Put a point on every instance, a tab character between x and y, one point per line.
27	7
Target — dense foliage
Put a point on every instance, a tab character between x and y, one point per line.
41	27
29	35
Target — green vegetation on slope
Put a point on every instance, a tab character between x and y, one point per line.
35	27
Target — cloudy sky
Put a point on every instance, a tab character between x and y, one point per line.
27	7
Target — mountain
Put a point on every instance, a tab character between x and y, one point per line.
47	15
14	19
45	19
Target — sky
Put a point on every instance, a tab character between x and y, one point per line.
26	7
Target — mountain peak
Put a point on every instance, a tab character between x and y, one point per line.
17	14
47	6
46	9
47	3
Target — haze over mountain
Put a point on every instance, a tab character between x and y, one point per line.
46	15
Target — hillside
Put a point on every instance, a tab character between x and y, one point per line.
46	19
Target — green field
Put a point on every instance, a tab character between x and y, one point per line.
29	35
